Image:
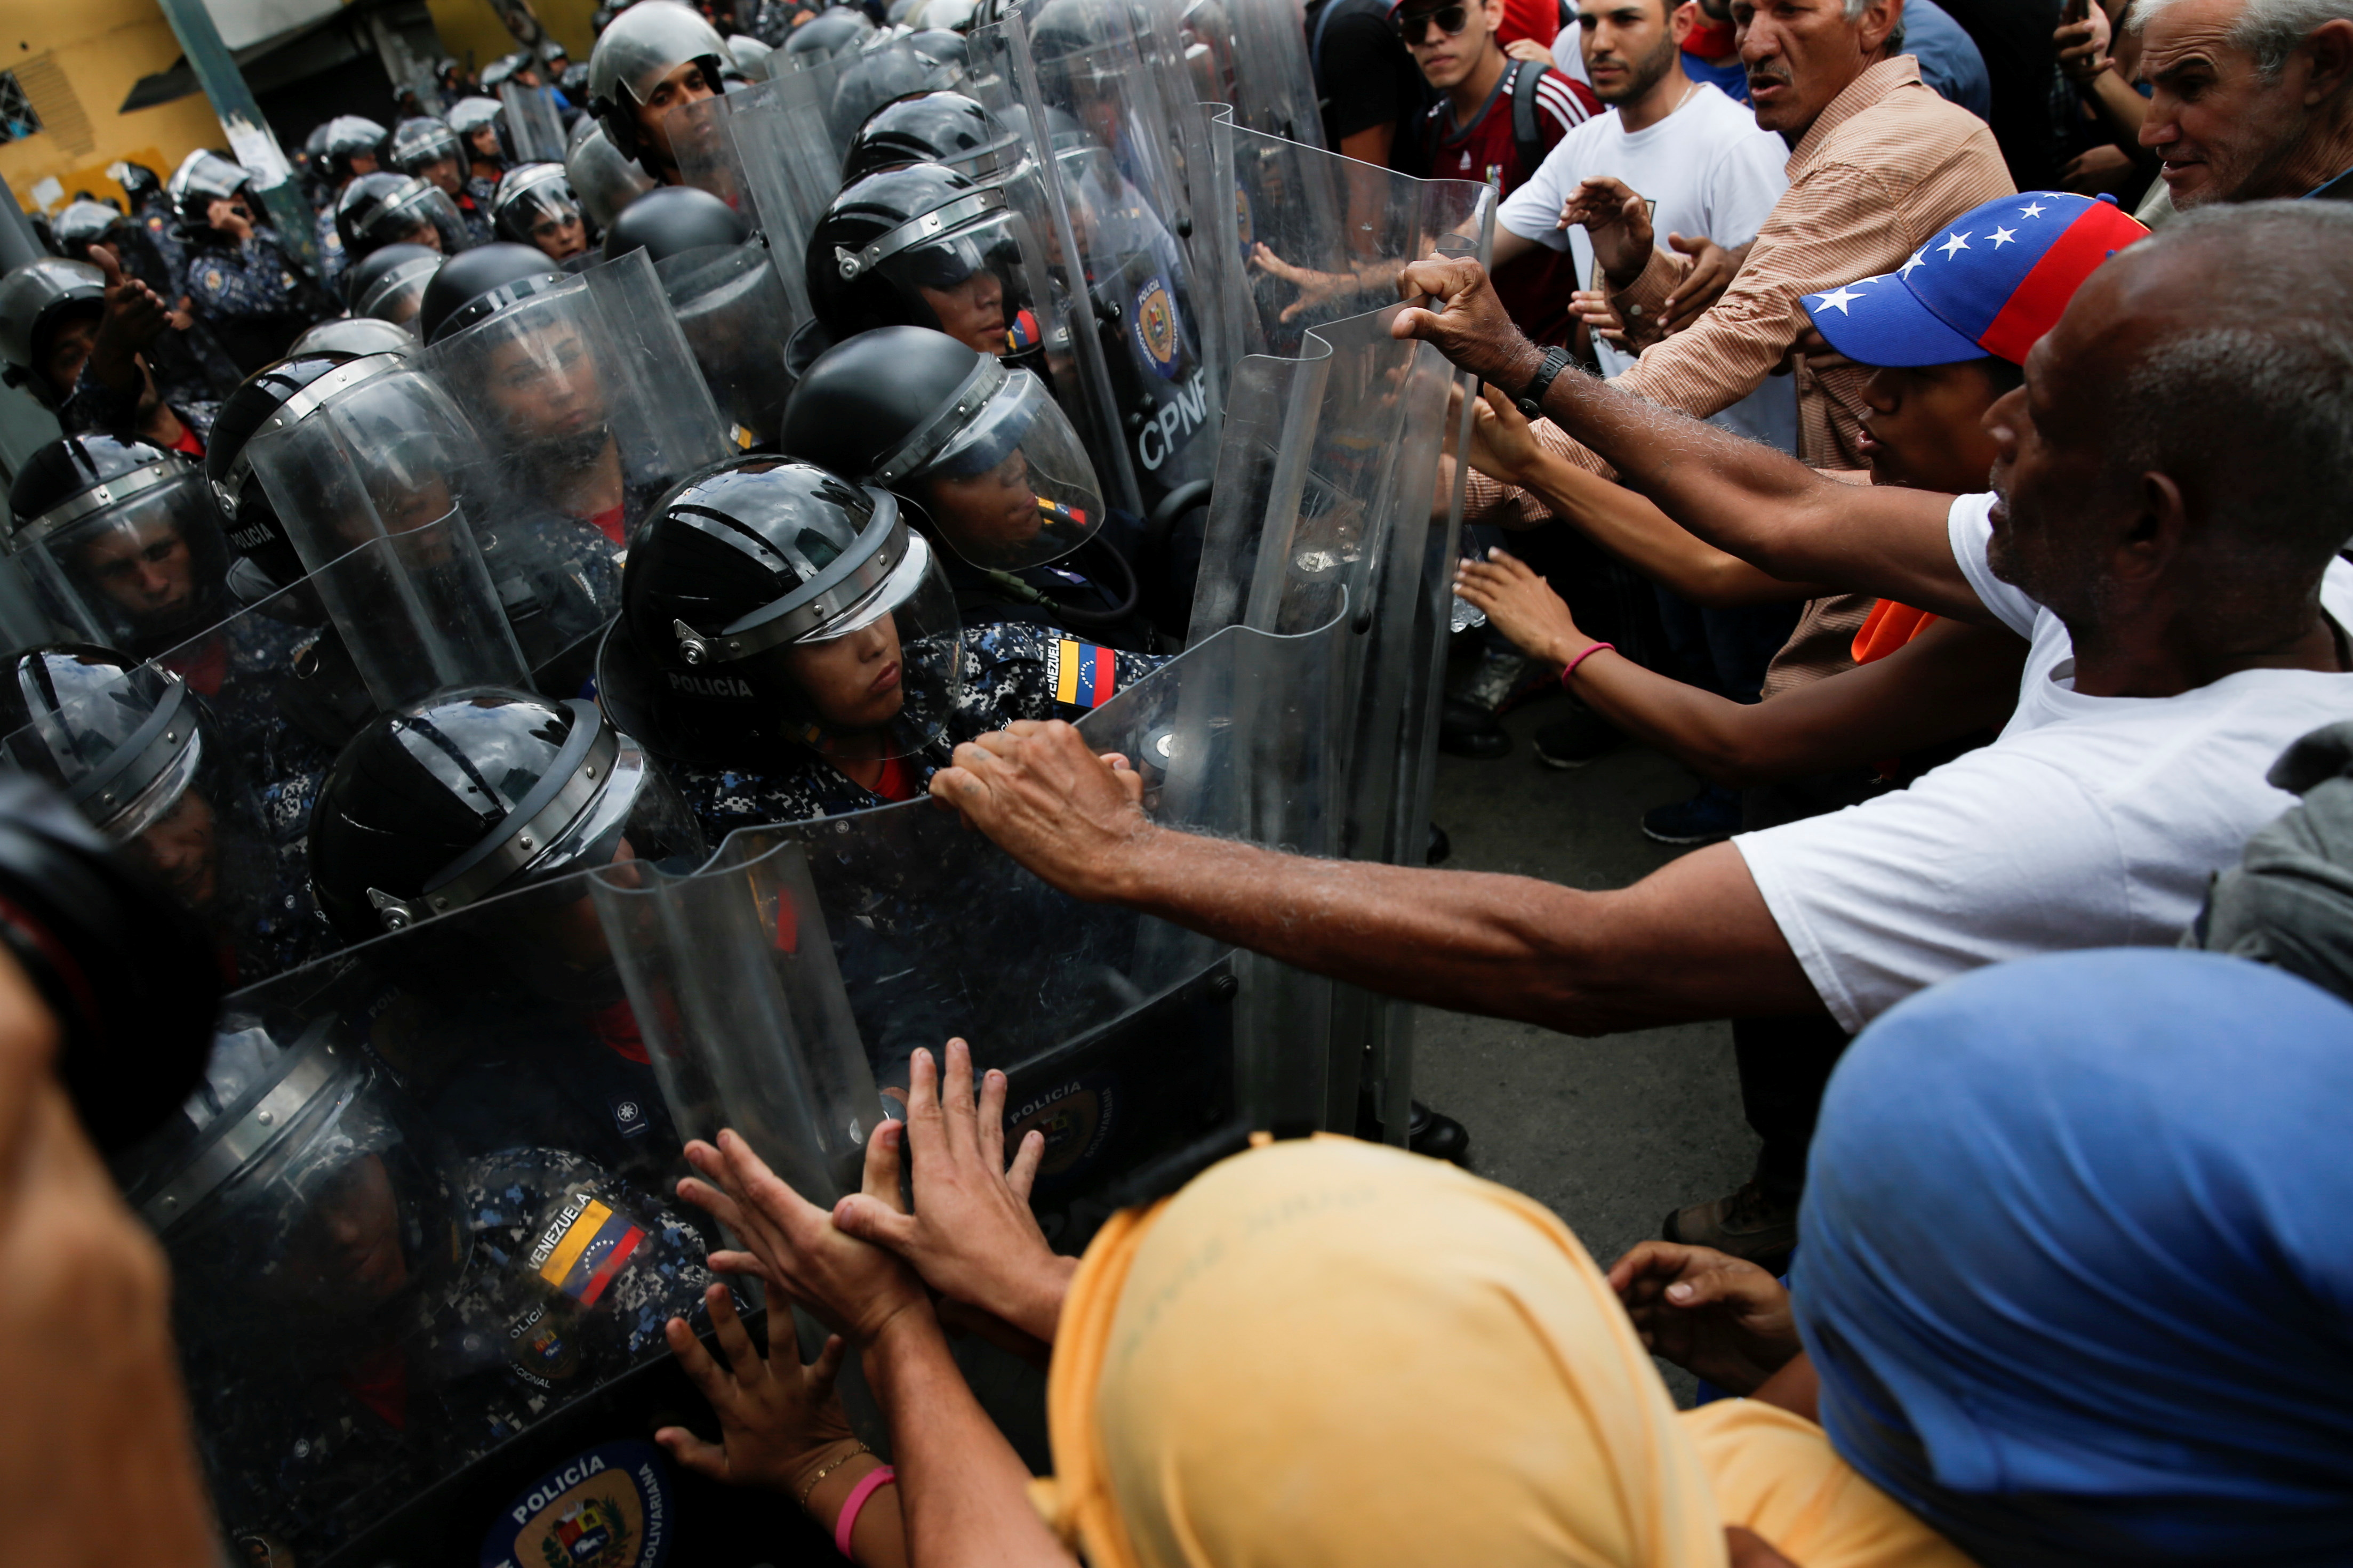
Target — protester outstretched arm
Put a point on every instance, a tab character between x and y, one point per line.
1693	941
1760	504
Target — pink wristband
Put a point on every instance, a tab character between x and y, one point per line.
1590	650
872	1481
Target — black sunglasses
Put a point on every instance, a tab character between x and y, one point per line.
1451	20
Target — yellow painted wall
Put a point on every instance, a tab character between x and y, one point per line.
471	27
77	61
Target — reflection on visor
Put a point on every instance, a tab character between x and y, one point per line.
1013	488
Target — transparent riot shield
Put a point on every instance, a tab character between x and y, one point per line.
390	459
733	312
1115	212
140	756
588	404
135	565
423	1225
533	127
1252	55
1327	491
788	983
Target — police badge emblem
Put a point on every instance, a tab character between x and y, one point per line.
607	1507
1156	328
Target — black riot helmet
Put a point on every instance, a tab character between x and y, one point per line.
945	128
378	210
350	136
275	395
83	224
769	604
880	73
140	183
837	31
122	538
474	793
388	283
480	283
120	739
995	468
574	81
674	220
535	207
920	246
128	973
354	335
420	143
35	299
470	117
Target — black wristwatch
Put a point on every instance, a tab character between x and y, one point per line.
1530	402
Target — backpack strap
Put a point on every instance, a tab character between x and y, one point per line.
1526	135
1315	44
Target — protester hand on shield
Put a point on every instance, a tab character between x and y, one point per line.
99	1453
1503	445
856	1288
779	1420
1470	326
972	1236
1522	606
1043	797
1315	289
1716	1316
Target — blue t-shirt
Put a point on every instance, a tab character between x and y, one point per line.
1950	64
1732	79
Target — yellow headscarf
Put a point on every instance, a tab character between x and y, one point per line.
1333	1353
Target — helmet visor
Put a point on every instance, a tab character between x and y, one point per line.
1012	487
140	572
425	215
399	294
879	680
973	281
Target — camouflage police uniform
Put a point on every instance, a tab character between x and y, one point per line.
1039	596
250	295
332	259
93	406
481	190
1010	671
559	1276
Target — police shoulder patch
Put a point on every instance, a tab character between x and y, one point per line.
1156	327
1082	675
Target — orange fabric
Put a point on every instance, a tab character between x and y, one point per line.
1888	627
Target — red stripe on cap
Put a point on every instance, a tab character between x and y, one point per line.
2036	304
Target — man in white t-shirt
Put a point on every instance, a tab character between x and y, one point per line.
2172	486
1695	156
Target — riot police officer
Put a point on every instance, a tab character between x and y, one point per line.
349	145
722	287
993	466
922	245
120	540
135	752
835	33
657	57
885	70
470	820
378	210
355	335
365	1309
535	207
789	649
426	147
388	283
240	281
485	160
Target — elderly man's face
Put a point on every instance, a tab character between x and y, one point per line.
2212	118
2056	509
1802	54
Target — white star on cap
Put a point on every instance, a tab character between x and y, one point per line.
1919	259
1838	299
1954	243
2034	211
2002	236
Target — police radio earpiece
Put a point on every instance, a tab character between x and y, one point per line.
128	973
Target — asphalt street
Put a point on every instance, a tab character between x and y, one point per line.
1613	1133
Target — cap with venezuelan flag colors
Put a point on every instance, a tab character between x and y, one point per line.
1992	282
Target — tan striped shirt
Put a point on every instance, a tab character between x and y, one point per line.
1875	178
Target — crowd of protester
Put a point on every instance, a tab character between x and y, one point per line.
1929	423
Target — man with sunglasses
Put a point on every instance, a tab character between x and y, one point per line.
1367	86
1494	118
